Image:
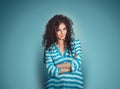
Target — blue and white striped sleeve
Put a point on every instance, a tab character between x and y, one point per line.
76	62
52	70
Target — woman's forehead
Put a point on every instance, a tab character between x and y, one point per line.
62	25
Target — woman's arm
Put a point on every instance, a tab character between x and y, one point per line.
52	70
76	62
64	65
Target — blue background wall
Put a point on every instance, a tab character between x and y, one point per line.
22	25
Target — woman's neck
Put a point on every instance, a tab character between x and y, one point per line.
60	43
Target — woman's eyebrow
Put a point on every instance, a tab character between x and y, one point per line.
63	28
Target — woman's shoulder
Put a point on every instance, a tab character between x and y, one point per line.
49	49
75	41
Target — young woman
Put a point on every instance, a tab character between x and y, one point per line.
62	55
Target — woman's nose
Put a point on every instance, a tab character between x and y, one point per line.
61	32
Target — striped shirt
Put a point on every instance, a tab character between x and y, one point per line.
68	80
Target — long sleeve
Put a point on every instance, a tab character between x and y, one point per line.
52	70
76	61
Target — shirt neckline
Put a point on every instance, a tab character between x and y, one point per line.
59	50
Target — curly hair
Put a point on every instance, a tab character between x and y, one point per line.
49	37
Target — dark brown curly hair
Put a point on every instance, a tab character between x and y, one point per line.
49	37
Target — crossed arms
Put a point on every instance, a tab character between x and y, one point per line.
64	67
73	65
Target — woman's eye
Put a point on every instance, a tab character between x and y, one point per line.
64	29
57	30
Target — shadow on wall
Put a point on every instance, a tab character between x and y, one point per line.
85	70
42	72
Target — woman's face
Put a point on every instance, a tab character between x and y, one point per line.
61	32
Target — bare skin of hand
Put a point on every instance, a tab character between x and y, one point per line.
75	55
65	67
64	70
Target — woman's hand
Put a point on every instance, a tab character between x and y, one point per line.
64	70
75	55
64	67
